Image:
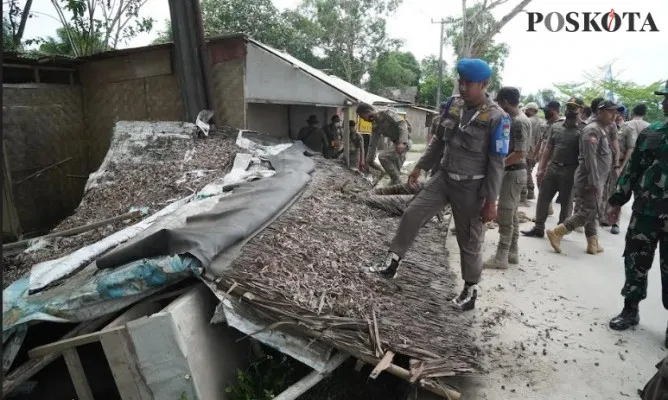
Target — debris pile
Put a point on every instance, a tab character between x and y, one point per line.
149	165
307	273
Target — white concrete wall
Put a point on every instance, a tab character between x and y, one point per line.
273	118
270	78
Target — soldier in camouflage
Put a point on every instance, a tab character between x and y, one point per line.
389	124
644	177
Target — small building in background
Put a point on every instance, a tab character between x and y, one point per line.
419	117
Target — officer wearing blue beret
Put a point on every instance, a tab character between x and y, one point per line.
471	143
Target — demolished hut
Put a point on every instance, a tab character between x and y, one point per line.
282	237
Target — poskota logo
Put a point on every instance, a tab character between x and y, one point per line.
611	21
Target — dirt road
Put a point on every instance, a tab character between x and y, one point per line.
543	325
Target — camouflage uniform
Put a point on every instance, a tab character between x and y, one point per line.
514	181
594	159
315	139
626	137
389	124
644	176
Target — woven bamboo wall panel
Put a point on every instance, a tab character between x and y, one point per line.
129	67
163	99
228	84
104	106
40	135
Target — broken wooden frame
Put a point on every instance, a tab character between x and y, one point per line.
305	345
114	341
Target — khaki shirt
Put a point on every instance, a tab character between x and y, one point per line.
520	134
564	142
637	125
627	140
387	124
536	128
464	145
435	122
595	157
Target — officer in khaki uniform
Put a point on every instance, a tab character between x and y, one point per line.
386	123
514	181
556	170
595	160
531	111
551	116
471	143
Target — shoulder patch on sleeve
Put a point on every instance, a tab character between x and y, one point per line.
500	142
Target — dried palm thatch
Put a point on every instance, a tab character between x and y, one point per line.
307	273
167	170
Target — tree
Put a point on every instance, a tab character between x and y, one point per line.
111	22
351	33
627	93
62	43
14	24
472	35
429	81
394	69
259	19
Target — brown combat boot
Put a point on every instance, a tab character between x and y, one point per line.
555	235
592	245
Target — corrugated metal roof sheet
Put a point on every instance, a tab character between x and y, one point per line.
350	90
359	93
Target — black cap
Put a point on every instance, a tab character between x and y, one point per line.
576	101
553	105
610	105
336	117
663	91
312	118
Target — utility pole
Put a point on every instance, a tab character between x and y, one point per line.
440	62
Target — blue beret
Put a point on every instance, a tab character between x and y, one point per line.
474	69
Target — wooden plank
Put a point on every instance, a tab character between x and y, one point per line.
384	363
78	375
143	309
30	368
120	354
70	343
312	379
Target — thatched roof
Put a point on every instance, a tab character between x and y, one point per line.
307	274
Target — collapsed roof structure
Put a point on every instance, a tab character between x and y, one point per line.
281	236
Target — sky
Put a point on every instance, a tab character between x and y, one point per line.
536	60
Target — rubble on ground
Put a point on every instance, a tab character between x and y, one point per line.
149	175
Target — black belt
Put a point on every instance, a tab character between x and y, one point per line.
515	167
563	164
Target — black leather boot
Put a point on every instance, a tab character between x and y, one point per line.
627	318
466	299
534	232
389	268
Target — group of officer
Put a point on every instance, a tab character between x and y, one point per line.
482	152
329	140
